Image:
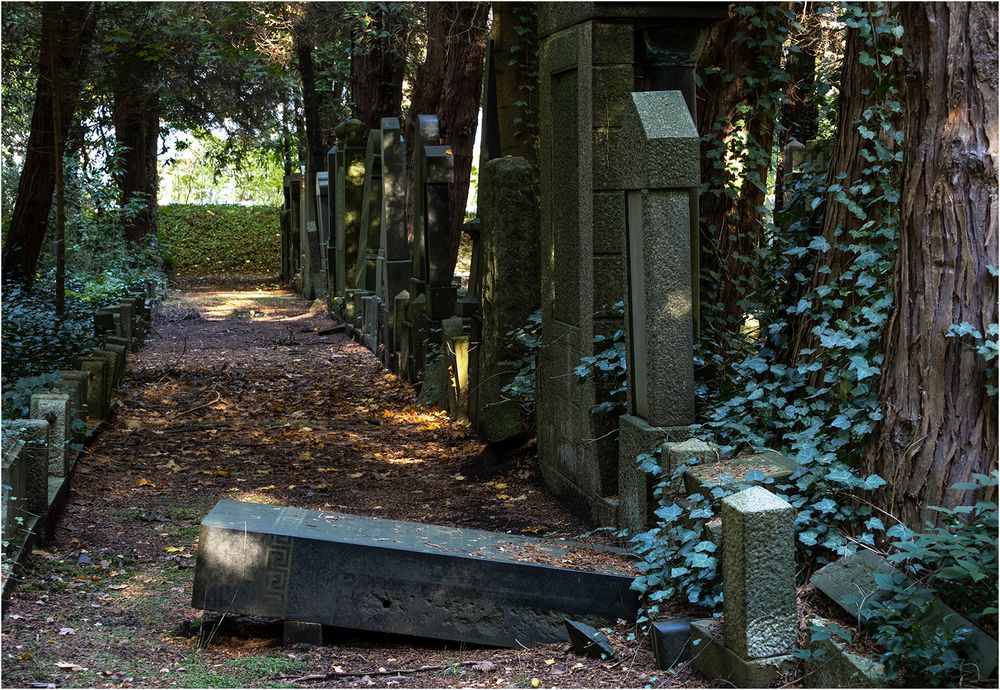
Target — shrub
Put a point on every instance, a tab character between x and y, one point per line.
217	238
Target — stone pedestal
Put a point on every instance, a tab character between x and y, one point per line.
54	409
760	619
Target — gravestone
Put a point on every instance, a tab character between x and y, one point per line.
54	408
440	291
34	434
335	201
760	617
295	230
398	577
395	264
323	229
509	291
351	182
661	142
97	388
371	214
104	323
592	55
427	133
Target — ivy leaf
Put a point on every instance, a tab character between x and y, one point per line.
873	481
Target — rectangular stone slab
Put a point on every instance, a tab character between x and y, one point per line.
397	577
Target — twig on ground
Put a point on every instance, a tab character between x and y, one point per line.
218	397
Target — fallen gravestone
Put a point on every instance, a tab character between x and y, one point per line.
671	641
400	577
851	581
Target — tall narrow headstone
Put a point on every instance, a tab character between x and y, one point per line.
350	184
441	293
394	252
371	214
335	202
323	228
54	408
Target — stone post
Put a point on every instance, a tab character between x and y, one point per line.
441	293
34	433
509	289
335	199
54	408
760	621
661	142
323	229
295	231
97	368
394	253
428	133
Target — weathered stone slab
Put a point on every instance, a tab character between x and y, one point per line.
851	580
33	433
702	478
54	408
758	541
399	577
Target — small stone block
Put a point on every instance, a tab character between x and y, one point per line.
589	641
671	642
715	661
300	632
758	543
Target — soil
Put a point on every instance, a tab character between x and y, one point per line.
237	396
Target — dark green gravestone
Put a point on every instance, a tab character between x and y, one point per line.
396	577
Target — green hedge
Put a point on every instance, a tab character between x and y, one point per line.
221	238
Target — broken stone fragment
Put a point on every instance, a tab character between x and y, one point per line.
589	641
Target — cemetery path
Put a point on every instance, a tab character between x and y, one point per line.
238	396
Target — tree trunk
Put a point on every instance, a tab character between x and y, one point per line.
459	113
311	105
67	29
377	69
730	219
940	426
429	85
515	40
857	93
137	128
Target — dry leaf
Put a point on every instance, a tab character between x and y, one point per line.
458	477
67	631
223	473
145	482
170	466
356	475
123	586
500	486
173	549
26	656
67	666
549	662
503	497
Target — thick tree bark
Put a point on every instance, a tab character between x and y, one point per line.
731	223
67	29
940	426
137	128
460	104
377	69
515	40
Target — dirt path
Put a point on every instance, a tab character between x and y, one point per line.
237	396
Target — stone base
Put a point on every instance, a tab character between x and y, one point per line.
398	577
635	487
715	661
839	668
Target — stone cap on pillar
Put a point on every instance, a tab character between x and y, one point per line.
428	129
660	141
440	164
322	182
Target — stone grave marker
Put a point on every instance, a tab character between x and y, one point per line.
760	618
398	577
54	408
395	264
350	191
